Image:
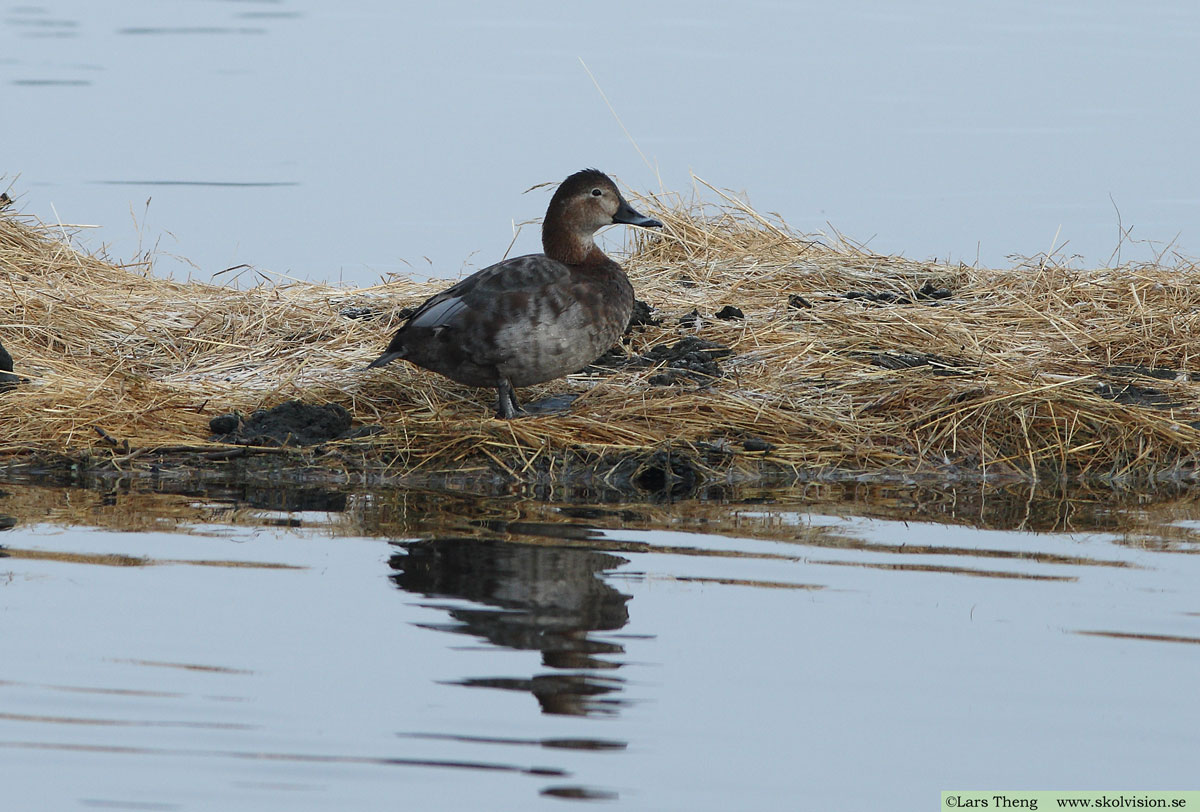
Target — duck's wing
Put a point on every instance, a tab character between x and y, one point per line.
493	290
526	289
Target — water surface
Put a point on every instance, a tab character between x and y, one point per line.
350	141
842	647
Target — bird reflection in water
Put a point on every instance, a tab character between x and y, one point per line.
545	598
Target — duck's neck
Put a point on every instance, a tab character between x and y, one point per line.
571	247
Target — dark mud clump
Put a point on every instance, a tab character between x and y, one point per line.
614	358
367	313
730	313
1134	395
690	358
642	316
1126	392
661	475
668	474
7	378
915	360
364	313
691	321
1159	373
293	423
927	293
757	444
884	297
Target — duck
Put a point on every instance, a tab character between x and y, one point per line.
533	318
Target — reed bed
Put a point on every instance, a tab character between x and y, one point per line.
845	363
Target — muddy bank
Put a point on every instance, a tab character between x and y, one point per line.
252	491
669	475
306	446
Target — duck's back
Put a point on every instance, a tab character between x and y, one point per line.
528	319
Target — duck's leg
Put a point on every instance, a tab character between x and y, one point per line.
506	400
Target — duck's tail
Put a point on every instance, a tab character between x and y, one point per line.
387	357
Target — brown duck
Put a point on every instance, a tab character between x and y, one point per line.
534	318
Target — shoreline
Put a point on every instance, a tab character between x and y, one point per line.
757	356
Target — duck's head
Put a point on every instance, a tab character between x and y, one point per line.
584	203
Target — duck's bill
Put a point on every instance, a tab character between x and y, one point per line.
626	214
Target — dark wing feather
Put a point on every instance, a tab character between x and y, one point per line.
486	290
456	332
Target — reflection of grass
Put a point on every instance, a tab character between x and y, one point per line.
813	515
91	721
845	361
1029	576
103	559
215	669
809	515
739	582
1153	638
116	560
824	517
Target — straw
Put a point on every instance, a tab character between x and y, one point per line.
846	362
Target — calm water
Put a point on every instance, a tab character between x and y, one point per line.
353	140
836	648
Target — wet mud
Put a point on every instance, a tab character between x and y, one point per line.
690	359
926	294
293	423
1124	387
642	316
915	360
7	377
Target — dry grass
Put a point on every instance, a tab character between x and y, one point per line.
1017	370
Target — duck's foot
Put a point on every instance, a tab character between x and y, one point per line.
506	401
507	406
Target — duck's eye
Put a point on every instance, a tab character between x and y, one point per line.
596	193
